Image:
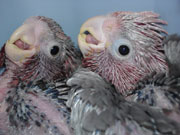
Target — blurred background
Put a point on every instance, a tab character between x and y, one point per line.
70	14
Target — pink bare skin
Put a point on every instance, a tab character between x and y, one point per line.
33	54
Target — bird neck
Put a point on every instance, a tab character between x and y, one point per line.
123	75
36	69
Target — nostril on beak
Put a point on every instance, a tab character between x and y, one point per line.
20	44
87	32
90	38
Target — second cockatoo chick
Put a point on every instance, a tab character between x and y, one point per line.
123	47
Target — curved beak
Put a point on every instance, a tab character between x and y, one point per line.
91	37
20	45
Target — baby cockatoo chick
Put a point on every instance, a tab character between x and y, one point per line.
128	47
123	47
37	55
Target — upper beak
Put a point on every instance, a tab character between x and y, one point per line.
20	45
92	37
87	40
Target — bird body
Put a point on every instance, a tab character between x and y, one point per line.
161	90
98	109
6	76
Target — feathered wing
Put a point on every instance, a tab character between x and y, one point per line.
172	51
98	110
160	91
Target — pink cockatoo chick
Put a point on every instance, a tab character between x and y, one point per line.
123	47
37	55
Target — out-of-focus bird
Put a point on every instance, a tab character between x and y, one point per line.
162	90
98	109
37	55
123	47
172	52
2	59
4	77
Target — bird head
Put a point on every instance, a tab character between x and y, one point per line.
41	47
123	47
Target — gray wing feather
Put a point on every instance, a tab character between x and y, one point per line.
97	109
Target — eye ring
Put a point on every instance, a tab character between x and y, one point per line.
124	50
121	49
54	50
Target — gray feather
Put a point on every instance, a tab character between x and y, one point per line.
160	91
97	109
172	51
